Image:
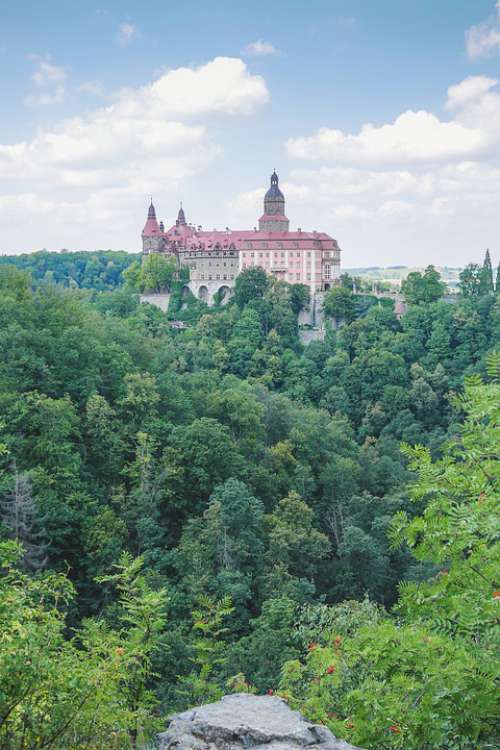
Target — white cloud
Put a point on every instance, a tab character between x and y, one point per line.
49	81
412	137
47	73
483	40
468	90
416	138
394	208
127	32
419	187
94	171
260	48
248	203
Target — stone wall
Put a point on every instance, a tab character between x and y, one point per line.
160	300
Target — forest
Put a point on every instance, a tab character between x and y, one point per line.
188	512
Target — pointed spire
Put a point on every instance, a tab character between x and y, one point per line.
151	227
181	217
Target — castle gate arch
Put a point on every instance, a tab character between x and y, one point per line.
224	293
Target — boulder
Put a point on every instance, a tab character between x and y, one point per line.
260	722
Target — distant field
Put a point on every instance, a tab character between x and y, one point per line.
395	274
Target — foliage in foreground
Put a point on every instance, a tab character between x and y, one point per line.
428	679
88	690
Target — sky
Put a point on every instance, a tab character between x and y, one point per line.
382	119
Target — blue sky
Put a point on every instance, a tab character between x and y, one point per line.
103	103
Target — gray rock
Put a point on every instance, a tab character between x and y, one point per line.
247	721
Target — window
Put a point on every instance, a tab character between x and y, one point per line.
328	271
218	277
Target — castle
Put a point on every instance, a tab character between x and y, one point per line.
216	258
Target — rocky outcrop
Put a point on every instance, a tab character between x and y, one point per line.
239	721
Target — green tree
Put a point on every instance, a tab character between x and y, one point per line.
294	546
142	620
156	273
261	654
470	280
339	303
221	553
250	284
486	276
204	683
300	297
423	288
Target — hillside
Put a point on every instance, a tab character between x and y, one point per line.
218	508
100	270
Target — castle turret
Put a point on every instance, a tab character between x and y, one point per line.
273	218
151	226
151	232
181	218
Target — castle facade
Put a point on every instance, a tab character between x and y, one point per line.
216	258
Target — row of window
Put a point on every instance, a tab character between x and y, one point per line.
218	264
263	243
209	277
291	274
275	254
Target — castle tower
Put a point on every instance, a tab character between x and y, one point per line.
151	232
273	218
181	218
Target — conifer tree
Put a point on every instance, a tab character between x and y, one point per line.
19	514
486	276
497	282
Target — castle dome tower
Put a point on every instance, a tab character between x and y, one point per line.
273	218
